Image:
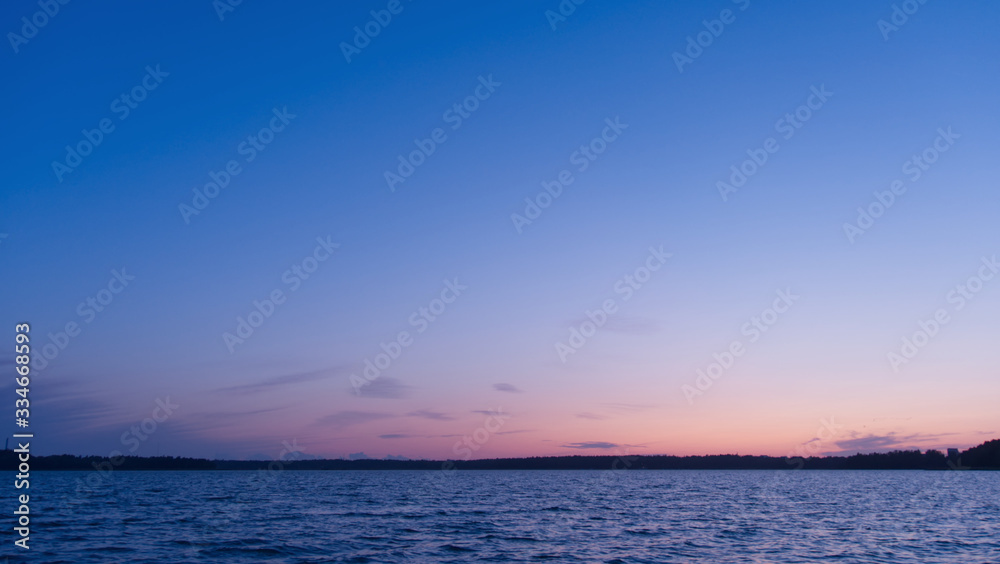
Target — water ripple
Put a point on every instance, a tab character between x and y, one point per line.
719	517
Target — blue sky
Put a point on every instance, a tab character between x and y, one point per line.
654	185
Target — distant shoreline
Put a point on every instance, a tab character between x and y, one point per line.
983	457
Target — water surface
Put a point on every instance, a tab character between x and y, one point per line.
518	516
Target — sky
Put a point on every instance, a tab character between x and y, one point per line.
476	230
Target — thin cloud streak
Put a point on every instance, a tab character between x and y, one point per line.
348	418
384	387
592	445
433	415
278	381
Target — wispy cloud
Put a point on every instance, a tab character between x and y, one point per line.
385	387
889	441
397	436
278	381
198	423
587	415
496	411
348	418
434	415
73	406
592	444
510	388
222	417
83	413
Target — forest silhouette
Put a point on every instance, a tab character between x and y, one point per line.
982	457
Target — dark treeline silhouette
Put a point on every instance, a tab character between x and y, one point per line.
70	462
984	456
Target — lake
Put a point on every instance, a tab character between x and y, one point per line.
517	516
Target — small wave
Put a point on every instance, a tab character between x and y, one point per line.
641	532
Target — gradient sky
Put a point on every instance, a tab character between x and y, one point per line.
825	359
